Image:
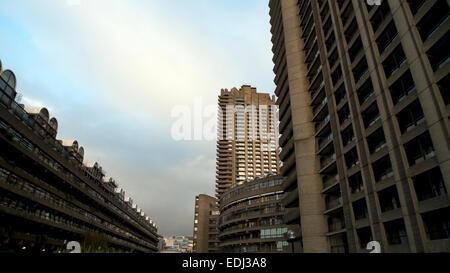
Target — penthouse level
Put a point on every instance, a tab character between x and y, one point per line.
48	195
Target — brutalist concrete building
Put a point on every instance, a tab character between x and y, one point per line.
364	98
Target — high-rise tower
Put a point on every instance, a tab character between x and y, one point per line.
247	145
363	92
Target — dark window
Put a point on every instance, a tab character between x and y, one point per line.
429	184
382	169
410	117
394	61
365	236
351	30
351	158
340	94
376	141
439	54
419	149
356	183
387	37
371	115
402	87
437	224
356	48
380	15
366	91
444	86
360	69
415	5
344	114
433	20
337	75
360	209
395	232
347	136
389	199
347	14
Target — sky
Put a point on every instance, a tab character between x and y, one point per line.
112	71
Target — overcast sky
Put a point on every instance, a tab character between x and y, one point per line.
111	71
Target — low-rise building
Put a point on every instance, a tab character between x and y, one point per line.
49	196
252	217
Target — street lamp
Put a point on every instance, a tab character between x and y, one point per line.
290	237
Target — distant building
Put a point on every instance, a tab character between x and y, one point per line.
247	142
178	244
205	224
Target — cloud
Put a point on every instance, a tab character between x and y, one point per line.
112	70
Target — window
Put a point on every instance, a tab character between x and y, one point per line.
389	199
387	37
437	224
410	117
380	15
429	184
365	236
419	149
394	61
395	232
360	209
356	183
402	87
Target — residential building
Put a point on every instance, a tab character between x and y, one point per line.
205	224
178	244
364	122
247	144
49	195
252	217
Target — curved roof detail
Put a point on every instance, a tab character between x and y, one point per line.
91	165
81	152
42	111
9	77
70	143
54	123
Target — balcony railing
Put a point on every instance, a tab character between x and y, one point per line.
324	162
321	124
330	181
323	142
331	204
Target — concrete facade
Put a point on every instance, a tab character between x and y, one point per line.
205	224
247	137
364	118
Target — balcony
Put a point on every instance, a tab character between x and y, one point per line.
336	226
323	142
410	117
419	149
371	115
320	125
416	5
386	38
325	161
382	169
329	182
394	61
319	107
333	204
402	88
365	92
433	19
380	15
